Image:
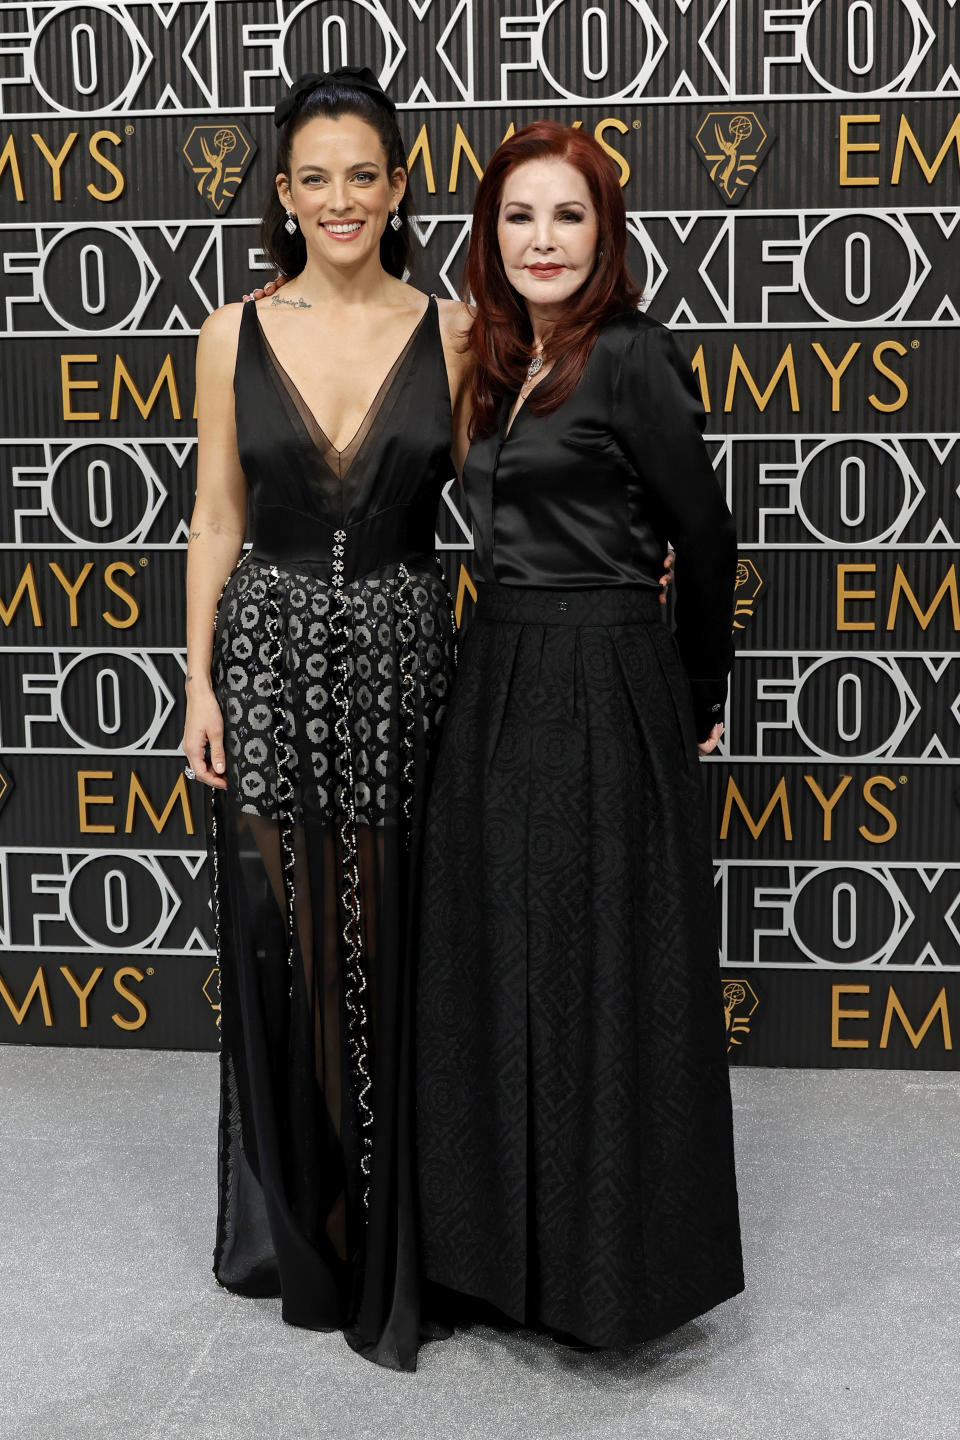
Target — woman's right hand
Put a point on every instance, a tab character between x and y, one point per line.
270	288
202	727
706	747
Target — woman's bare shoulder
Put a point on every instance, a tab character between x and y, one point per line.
217	343
224	323
455	322
456	318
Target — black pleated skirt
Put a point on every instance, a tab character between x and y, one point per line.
574	1137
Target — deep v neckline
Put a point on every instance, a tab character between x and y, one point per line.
511	420
324	444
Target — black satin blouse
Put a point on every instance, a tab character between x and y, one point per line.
590	495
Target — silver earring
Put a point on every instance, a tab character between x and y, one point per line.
290	224
396	219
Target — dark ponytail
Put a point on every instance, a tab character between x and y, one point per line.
333	97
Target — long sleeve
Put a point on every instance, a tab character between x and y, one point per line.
658	422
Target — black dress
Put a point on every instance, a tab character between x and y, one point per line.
332	662
574	1127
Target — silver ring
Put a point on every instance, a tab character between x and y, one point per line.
189	772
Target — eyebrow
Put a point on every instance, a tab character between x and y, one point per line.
560	205
357	165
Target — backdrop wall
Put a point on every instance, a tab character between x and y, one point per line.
792	175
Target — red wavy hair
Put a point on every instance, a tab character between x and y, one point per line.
501	337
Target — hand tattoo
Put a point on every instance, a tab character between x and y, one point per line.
298	304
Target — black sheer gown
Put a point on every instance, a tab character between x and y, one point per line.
332	660
575	1145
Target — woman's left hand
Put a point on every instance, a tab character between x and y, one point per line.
666	579
271	288
705	746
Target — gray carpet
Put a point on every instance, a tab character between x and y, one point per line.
111	1324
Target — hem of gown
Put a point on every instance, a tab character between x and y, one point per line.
375	1351
267	1288
465	1307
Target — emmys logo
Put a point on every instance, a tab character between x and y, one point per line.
6	785
211	990
747	587
739	1003
732	145
219	157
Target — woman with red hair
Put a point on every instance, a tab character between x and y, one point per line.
574	1126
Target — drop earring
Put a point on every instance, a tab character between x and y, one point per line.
396	219
290	224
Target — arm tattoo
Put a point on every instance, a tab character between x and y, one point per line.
194	535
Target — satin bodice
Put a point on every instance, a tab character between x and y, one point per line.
382	490
590	494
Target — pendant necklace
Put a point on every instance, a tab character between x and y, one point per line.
534	368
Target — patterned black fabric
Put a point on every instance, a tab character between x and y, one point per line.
308	666
574	1123
333	658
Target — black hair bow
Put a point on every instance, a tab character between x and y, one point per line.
350	77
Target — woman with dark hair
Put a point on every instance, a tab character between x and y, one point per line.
574	1125
315	688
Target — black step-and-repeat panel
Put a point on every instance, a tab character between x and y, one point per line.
792	176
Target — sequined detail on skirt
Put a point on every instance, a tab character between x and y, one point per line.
332	695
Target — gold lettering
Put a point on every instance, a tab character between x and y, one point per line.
421	147
96	154
837	1015
464	585
891	375
137	792
8	156
939	1007
85	799
905	136
165	376
843	595
699	367
125	569
28	586
55	161
82	992
37	987
835	371
880	808
129	972
612	123
72	590
827	805
849	147
738	366
67	385
779	797
901	586
461	147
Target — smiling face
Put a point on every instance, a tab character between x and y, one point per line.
339	188
547	231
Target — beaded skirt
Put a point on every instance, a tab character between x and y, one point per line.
332	693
